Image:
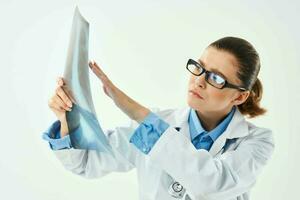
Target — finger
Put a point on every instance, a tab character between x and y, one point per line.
68	92
99	70
60	81
58	102
96	69
57	108
61	93
100	74
54	105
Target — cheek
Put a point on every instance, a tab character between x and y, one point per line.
219	98
216	94
215	99
191	80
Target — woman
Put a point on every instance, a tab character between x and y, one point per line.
206	150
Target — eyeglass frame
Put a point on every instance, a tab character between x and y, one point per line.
207	72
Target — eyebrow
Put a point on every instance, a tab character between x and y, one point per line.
213	69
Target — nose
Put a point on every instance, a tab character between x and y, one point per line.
200	81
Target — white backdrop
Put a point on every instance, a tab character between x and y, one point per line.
143	47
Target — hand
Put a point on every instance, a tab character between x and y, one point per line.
61	102
108	87
130	107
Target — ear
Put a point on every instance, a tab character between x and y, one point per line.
241	98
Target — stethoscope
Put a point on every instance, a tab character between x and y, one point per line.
176	190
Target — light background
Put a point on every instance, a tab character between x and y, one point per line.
143	47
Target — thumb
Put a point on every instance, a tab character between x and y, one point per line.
106	90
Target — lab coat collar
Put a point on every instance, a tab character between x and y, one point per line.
214	133
237	128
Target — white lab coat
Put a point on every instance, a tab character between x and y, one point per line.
218	174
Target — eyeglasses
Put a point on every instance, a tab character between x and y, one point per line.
214	79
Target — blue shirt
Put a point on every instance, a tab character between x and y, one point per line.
201	138
149	131
52	135
152	127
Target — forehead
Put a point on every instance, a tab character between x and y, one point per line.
220	61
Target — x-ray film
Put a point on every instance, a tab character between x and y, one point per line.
84	128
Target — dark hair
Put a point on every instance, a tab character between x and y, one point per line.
249	66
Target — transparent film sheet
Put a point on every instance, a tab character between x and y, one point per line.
85	130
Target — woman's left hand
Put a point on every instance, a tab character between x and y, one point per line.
130	107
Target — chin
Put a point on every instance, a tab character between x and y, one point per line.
194	104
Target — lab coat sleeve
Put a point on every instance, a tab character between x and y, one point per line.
206	177
52	135
148	132
95	164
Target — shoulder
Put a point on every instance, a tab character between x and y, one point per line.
242	128
261	140
250	137
260	132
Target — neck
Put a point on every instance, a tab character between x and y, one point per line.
210	120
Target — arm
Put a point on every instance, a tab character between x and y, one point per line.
92	163
89	163
53	136
204	176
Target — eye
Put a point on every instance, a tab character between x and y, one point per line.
194	68
217	79
197	69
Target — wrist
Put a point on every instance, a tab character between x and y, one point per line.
141	114
64	130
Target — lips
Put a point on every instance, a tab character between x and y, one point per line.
196	94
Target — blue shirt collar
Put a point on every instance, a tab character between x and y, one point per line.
196	127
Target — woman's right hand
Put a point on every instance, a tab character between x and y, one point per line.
60	102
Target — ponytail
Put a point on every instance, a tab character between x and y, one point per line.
251	106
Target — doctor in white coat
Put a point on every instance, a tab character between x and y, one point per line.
205	151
